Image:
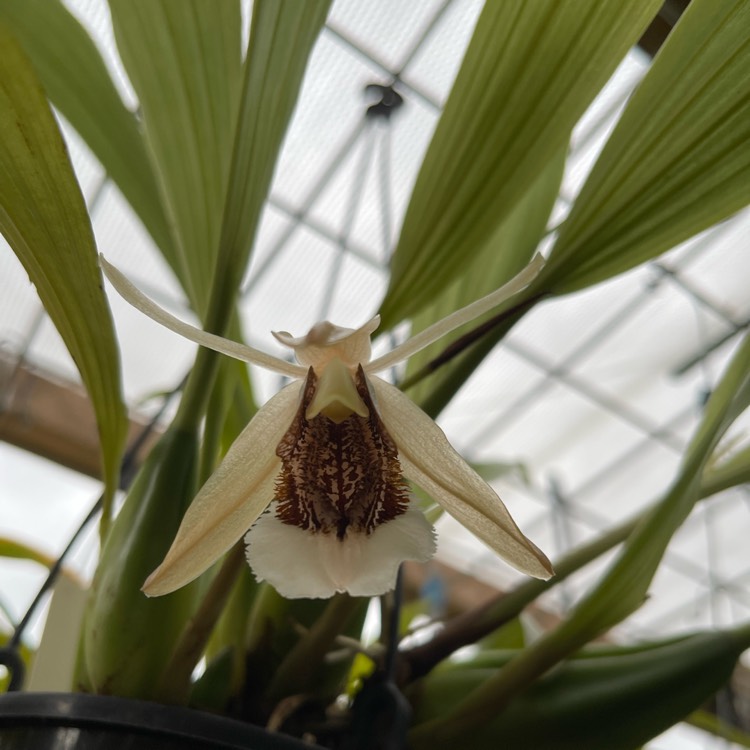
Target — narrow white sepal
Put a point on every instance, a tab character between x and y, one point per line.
140	301
231	499
303	564
429	460
455	320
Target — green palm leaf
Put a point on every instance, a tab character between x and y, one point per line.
44	219
678	160
77	82
531	70
185	63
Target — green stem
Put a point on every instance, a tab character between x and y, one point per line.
297	672
729	473
200	381
712	724
741	636
212	428
470	626
491	698
175	682
197	389
502	320
617	594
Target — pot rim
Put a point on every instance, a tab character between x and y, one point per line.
144	717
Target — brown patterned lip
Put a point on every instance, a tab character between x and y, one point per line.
339	477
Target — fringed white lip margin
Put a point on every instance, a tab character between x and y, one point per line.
327	454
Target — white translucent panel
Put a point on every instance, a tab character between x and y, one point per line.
124	241
719	273
438	60
330	108
594	442
557	329
630	479
380	168
154	359
641	364
290	293
482	409
386	28
19	303
658	337
657	400
351	200
565	437
356	295
58	500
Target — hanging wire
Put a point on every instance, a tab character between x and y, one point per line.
350	216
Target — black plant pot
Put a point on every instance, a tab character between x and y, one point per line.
70	721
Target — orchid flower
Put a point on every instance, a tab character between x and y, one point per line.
315	481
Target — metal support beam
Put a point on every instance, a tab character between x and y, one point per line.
53	418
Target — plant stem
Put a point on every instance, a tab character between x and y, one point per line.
491	698
469	626
712	724
175	681
463	342
218	318
298	670
474	624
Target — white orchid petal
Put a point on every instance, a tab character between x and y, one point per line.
324	341
455	320
301	564
140	301
232	498
428	459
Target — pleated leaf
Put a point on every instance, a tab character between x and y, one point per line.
184	60
282	36
530	71
44	220
77	82
678	160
